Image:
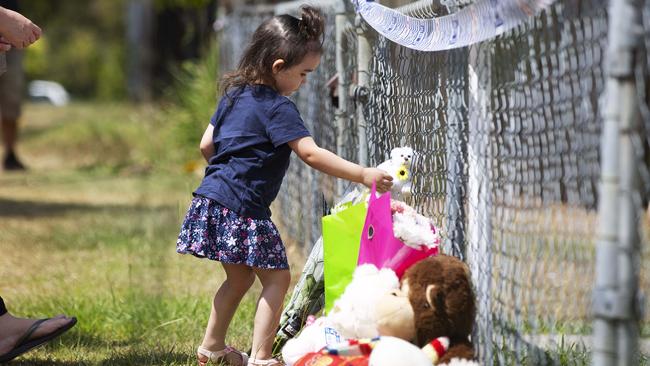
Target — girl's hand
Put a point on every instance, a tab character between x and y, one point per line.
383	179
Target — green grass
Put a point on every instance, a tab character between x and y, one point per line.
90	231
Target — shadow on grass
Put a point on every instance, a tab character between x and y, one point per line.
127	359
45	362
80	343
35	209
121	353
153	358
90	342
28	132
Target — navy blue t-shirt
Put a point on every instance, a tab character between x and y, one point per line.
252	155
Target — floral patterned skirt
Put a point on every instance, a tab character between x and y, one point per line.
216	232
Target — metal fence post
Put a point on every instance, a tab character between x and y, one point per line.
628	232
456	147
341	113
628	41
615	338
479	187
364	59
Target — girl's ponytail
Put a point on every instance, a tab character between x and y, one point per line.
311	24
282	37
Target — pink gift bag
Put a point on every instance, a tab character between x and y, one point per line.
379	246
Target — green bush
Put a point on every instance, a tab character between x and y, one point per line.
190	104
110	74
82	46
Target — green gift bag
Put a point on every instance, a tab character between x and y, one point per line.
341	240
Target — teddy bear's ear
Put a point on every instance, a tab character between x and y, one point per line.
430	292
466	269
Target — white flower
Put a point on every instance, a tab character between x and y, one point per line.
415	230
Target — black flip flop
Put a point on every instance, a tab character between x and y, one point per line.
25	344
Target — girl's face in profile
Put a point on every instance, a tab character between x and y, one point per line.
288	80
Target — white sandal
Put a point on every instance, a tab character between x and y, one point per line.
269	362
219	356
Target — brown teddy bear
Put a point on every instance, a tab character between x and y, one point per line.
435	300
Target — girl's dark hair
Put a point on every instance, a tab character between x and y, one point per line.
281	37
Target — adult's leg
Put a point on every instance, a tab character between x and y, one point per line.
239	279
12	329
9	136
3	308
11	93
275	284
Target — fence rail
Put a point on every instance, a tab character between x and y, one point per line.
509	140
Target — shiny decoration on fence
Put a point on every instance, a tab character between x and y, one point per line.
483	20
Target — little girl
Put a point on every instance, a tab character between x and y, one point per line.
247	145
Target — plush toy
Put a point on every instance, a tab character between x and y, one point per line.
391	351
314	336
435	300
427	321
399	167
352	316
382	351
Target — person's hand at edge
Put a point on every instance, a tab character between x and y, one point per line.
4	45
17	30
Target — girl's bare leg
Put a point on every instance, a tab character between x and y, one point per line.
275	283
239	279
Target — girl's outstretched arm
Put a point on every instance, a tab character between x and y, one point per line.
330	163
206	145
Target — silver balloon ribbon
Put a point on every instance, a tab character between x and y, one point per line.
482	20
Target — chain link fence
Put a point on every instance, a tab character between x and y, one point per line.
535	168
508	140
641	144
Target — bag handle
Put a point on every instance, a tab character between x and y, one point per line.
373	192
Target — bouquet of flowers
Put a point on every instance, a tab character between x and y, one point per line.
413	229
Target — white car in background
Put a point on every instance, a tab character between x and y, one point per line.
50	91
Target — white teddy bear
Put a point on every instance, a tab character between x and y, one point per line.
312	338
352	316
391	351
399	167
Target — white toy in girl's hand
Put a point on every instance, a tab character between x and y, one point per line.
399	167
